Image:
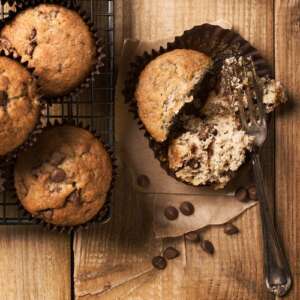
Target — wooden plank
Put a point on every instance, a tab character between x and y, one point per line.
287	48
113	261
34	264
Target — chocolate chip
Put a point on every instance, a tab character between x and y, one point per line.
252	192
171	253
57	158
58	175
194	149
171	213
193	163
207	246
75	197
242	195
192	236
187	208
159	262
230	229
143	181
32	34
3	99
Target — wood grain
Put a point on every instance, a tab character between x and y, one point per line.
113	261
287	47
34	264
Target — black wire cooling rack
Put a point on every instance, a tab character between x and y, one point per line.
94	107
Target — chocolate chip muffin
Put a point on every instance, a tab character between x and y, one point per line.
19	104
57	43
65	178
165	85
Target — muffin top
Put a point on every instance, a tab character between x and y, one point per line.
165	85
57	43
19	104
64	179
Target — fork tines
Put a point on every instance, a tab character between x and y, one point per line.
242	84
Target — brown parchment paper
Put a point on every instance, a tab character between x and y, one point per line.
211	207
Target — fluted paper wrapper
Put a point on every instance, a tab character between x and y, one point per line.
211	207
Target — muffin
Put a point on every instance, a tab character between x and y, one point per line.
213	145
165	85
65	177
57	43
19	104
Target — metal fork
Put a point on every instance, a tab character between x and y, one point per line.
278	276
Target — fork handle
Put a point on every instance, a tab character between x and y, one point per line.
277	270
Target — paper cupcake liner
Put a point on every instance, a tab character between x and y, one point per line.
30	140
213	40
73	5
104	214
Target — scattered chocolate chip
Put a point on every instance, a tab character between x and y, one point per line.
57	158
143	181
171	253
171	213
242	195
75	197
48	213
187	208
207	246
159	262
252	192
58	175
3	99
230	229
32	34
192	236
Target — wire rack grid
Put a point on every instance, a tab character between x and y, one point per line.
94	107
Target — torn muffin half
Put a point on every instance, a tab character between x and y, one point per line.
165	85
213	144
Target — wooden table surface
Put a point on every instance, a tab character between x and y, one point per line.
113	261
